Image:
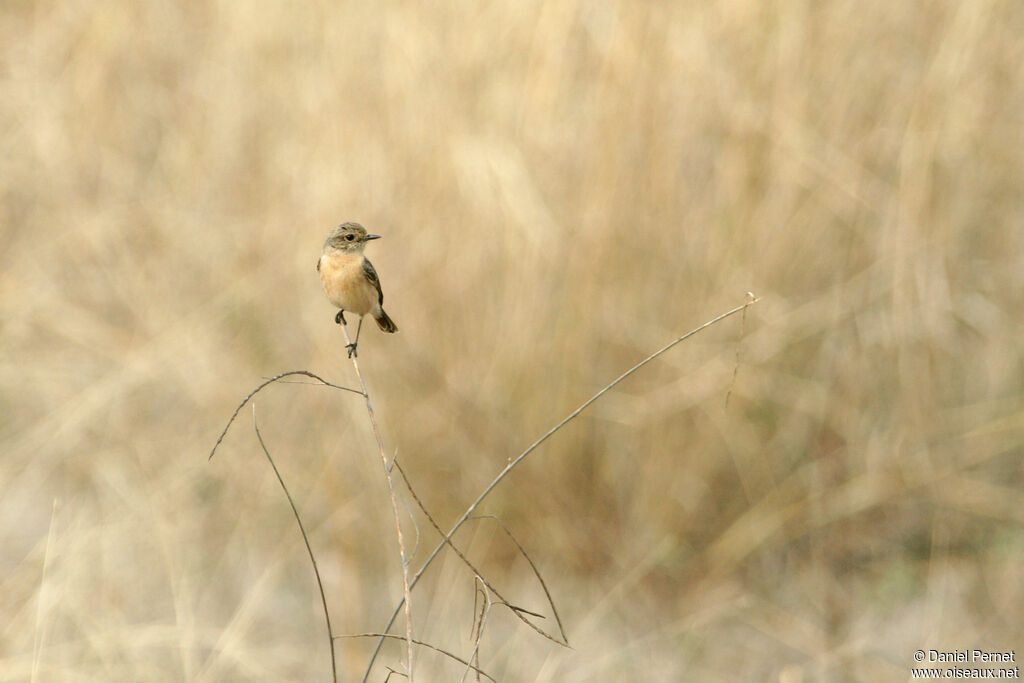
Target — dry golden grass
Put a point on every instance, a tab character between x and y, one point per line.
562	188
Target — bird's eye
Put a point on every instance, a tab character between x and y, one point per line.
350	237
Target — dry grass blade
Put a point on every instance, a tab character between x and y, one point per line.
536	572
509	467
305	539
406	586
465	560
444	652
743	330
265	384
479	621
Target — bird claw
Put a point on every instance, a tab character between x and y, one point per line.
340	318
351	349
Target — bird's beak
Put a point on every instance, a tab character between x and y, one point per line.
371	237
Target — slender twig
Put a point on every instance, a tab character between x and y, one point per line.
536	572
406	587
511	465
458	659
476	595
479	588
305	539
739	342
273	379
415	526
518	611
523	610
408	510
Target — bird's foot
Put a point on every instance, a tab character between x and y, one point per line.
351	349
340	318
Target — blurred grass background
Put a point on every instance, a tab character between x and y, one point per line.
562	188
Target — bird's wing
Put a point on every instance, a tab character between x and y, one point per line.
371	275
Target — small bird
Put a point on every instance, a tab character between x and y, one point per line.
349	280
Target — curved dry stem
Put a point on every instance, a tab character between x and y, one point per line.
739	342
511	465
518	611
479	621
260	388
305	539
406	586
458	659
536	572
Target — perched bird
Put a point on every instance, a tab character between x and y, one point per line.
349	280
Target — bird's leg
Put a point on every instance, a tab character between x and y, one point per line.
340	318
352	347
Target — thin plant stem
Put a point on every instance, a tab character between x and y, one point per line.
406	585
536	572
511	465
518	611
739	342
478	624
270	381
446	653
305	539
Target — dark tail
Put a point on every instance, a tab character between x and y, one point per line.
385	323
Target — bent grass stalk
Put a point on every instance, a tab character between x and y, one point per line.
305	539
406	585
751	300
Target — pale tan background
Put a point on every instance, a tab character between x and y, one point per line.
562	188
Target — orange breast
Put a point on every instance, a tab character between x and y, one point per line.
345	283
